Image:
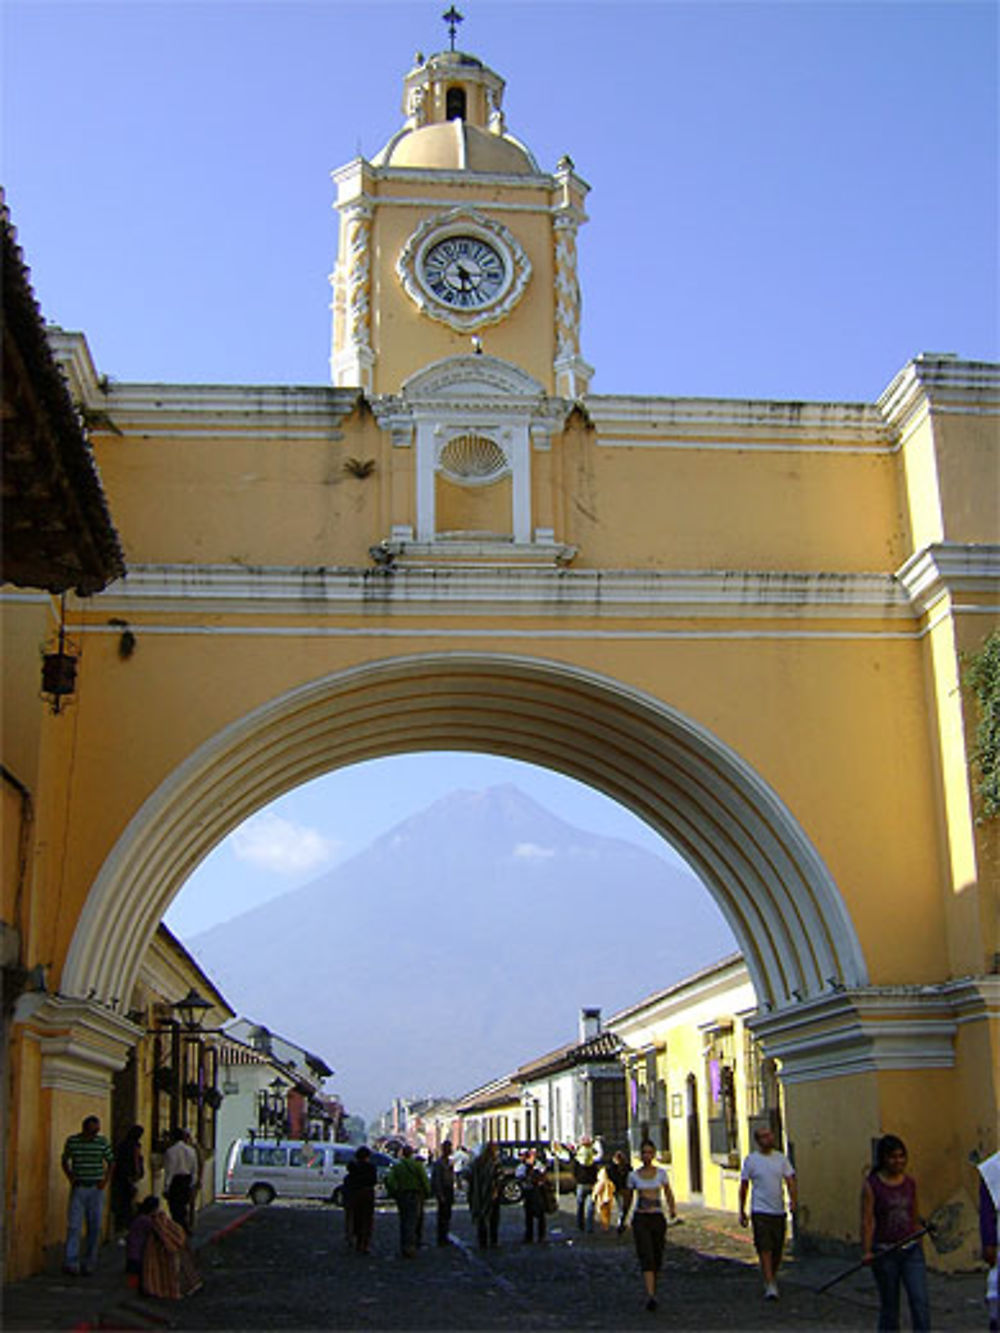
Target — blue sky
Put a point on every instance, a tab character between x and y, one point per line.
326	821
789	201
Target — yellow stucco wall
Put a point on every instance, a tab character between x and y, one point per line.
290	501
710	556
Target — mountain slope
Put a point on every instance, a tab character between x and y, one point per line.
461	943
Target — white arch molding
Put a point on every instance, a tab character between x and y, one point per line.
738	836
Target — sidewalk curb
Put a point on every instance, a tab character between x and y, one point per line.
217	1236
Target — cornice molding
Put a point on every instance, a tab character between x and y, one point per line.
719	983
932	383
749	424
72	354
471	180
950	568
161	411
502	586
82	1043
873	1029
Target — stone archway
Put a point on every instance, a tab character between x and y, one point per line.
768	880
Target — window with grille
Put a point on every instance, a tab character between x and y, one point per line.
720	1071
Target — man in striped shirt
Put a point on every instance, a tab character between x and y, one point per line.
86	1163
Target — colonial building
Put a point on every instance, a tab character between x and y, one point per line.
493	1112
172	1079
743	620
699	1083
577	1090
272	1088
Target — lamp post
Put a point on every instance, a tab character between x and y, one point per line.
271	1109
192	1010
185	1031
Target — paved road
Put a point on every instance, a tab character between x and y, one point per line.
288	1267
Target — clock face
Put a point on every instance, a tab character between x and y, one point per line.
463	269
463	272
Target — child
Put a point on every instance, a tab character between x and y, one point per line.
603	1196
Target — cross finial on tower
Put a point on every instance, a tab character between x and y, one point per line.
453	18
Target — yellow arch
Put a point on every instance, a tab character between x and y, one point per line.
769	881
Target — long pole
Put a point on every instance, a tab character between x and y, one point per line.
854	1268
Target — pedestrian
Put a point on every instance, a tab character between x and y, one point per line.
181	1177
408	1185
532	1176
461	1160
989	1209
137	1238
648	1189
889	1222
443	1189
585	1177
618	1171
87	1159
603	1197
484	1188
770	1174
168	1267
129	1168
358	1193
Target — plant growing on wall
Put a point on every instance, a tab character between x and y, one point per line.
982	675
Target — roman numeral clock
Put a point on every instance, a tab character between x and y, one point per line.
452	227
464	269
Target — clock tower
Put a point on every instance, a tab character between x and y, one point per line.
453	240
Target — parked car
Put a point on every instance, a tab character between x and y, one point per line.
267	1169
557	1163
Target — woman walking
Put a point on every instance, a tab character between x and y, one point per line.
358	1192
889	1223
648	1188
618	1173
484	1194
531	1173
128	1170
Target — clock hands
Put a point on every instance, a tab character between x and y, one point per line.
467	279
463	272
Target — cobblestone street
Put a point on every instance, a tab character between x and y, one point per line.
288	1267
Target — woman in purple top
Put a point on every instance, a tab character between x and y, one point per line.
889	1215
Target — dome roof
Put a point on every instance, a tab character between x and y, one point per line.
455	145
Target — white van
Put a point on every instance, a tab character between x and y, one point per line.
267	1169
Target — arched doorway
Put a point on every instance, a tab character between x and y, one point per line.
743	842
833	1033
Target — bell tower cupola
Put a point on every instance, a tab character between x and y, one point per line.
453	238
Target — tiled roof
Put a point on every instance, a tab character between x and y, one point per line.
603	1047
492	1094
57	529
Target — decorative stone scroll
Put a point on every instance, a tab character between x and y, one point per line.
358	276
567	287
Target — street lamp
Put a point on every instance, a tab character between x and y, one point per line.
174	1073
192	1010
271	1111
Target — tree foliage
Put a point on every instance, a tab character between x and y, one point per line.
982	675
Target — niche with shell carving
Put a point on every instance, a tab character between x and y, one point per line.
473	487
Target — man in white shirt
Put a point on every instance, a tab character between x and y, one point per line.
771	1174
181	1177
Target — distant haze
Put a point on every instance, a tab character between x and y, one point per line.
461	943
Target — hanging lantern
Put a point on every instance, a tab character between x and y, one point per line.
59	667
